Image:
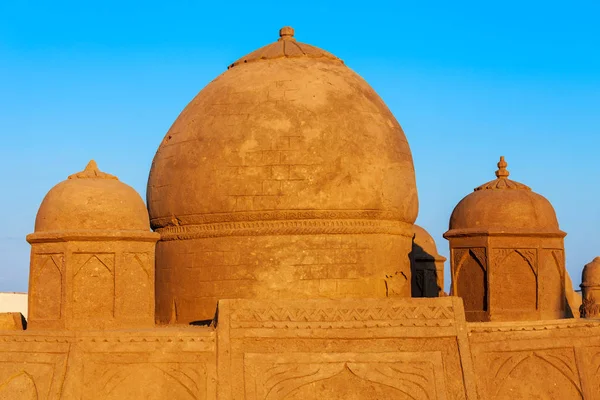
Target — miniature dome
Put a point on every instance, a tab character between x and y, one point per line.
591	274
426	244
91	200
287	128
503	205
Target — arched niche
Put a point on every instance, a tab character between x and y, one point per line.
46	287
149	383
515	283
551	286
347	385
20	386
536	378
93	288
471	283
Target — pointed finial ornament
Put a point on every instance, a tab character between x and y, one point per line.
502	171
502	181
91	171
286	33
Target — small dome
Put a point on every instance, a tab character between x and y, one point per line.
503	205
591	274
426	243
92	200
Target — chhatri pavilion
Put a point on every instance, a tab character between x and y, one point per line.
276	257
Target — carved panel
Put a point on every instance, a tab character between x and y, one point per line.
93	285
530	255
593	370
151	381
135	285
148	364
551	286
46	286
554	372
471	283
313	376
514	285
20	386
559	259
30	371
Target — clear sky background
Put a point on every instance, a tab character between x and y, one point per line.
468	81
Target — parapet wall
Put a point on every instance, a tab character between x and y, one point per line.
558	359
311	349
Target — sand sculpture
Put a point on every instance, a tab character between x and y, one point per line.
278	259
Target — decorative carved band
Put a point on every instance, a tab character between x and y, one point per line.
97	235
414	323
98	337
327	314
513	232
274	215
293	227
521	326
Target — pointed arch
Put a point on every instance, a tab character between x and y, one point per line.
471	282
515	283
19	386
94	287
46	287
551	382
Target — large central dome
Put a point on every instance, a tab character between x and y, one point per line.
286	176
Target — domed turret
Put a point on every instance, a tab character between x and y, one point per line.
92	200
590	287
92	256
267	178
427	265
507	253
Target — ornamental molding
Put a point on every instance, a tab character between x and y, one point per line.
292	227
276	215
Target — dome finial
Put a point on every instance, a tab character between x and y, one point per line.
286	33
502	171
91	171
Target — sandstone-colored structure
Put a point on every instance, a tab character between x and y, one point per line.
507	253
12	321
298	183
427	266
590	286
92	256
311	349
284	199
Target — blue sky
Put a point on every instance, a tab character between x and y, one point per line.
468	81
